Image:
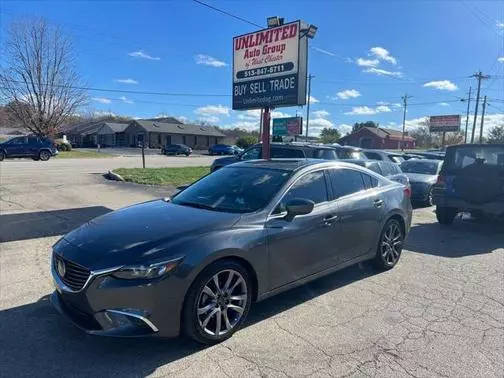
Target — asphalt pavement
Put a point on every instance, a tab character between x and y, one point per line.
439	312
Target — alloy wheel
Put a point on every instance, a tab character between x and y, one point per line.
391	244
44	155
222	302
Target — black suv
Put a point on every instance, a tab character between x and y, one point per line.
293	151
176	149
471	180
32	146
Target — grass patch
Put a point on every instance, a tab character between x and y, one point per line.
81	155
163	176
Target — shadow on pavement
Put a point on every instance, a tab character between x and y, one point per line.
466	236
37	341
23	226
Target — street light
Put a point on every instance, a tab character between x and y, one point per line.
274	21
309	31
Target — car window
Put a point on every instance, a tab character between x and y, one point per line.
396	158
326	154
375	167
286	153
373	155
346	181
32	140
253	153
472	156
420	166
387	168
346	153
17	140
369	181
311	186
244	190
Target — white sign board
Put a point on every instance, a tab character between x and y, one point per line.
269	68
444	123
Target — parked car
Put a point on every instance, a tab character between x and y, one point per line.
387	169
422	175
382	155
293	151
32	146
274	225
437	155
222	149
176	149
471	180
408	156
237	150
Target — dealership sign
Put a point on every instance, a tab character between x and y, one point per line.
269	68
287	126
445	123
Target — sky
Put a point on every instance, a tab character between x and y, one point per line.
365	56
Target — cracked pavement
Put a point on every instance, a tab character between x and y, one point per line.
438	313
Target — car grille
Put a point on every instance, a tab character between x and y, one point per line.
75	276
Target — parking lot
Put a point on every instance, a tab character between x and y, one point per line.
440	312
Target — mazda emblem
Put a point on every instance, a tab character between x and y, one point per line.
60	266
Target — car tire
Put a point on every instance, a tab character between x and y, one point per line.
36	158
44	155
208	307
390	245
2	156
430	199
187	154
445	215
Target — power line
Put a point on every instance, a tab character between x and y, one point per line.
228	14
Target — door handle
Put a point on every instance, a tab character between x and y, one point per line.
330	219
378	203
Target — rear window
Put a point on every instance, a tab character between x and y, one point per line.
326	154
474	156
397	158
420	166
373	155
345	154
286	153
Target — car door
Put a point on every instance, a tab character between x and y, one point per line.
33	146
359	211
308	243
15	147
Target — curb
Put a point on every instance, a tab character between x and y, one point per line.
114	176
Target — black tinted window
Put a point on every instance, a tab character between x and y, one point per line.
311	186
346	181
252	154
387	169
33	140
373	155
371	182
476	156
375	167
286	153
326	154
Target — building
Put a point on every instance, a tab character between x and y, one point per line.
378	138
90	134
156	134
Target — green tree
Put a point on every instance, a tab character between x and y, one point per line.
328	136
246	141
496	135
358	125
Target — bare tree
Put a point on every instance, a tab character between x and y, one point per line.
39	84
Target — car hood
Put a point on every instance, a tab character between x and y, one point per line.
147	230
421	178
226	160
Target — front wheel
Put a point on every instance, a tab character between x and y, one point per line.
430	199
445	215
217	302
390	245
44	155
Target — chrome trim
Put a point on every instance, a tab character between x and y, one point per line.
92	274
142	318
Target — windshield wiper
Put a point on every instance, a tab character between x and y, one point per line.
195	205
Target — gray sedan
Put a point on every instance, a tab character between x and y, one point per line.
422	175
244	233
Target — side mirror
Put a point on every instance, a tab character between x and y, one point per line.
298	206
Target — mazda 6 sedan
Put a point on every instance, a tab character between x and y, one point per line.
195	263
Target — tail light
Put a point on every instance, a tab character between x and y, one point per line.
407	191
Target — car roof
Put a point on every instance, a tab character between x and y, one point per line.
290	164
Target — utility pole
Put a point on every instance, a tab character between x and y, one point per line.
467	114
480	77
482	119
308	105
405	105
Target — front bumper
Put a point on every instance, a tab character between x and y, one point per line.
107	306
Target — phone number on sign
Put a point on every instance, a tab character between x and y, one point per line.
265	70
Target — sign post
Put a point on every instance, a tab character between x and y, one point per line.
269	70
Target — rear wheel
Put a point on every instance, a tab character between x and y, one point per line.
44	155
36	158
390	245
2	155
217	302
445	215
430	199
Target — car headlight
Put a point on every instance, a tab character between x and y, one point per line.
147	271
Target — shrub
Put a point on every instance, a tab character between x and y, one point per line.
246	141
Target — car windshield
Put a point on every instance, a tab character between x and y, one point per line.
477	155
234	189
419	166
